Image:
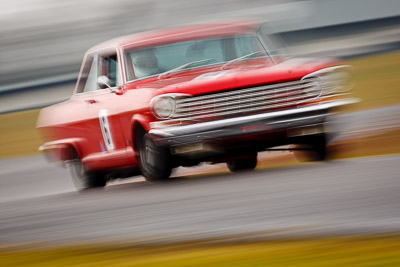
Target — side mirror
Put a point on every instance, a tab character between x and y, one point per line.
103	81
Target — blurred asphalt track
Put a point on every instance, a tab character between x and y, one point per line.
339	197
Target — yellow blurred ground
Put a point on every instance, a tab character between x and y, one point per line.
377	80
334	251
18	135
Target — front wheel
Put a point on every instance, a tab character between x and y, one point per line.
82	178
315	149
247	162
154	160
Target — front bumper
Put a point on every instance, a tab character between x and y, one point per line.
278	120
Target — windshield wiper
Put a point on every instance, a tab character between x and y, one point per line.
243	57
184	66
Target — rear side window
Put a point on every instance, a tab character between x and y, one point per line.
88	75
91	82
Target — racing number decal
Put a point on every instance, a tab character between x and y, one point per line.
105	129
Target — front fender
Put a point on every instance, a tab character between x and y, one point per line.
140	124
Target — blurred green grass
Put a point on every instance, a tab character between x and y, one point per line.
329	251
377	85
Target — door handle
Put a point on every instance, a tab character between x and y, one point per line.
90	101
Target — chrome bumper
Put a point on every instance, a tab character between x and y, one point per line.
286	119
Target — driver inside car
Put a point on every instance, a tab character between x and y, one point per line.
145	63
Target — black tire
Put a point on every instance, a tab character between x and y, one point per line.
81	178
154	160
317	146
247	162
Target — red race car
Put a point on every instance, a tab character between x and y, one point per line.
153	101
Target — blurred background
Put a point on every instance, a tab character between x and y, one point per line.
42	43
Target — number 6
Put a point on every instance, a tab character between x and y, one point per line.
105	129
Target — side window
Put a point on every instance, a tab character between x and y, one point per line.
94	67
109	67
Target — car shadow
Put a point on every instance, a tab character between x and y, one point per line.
207	177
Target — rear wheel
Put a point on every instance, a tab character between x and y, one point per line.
247	162
82	178
154	160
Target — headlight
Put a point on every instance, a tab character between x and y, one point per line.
164	106
333	80
341	80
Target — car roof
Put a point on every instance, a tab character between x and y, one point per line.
180	33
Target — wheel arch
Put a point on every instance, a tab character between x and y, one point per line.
61	150
140	126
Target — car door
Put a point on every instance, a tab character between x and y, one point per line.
107	145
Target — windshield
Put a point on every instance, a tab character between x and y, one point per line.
189	54
273	42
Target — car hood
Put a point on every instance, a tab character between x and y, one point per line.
213	79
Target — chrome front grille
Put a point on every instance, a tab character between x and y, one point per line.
240	102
